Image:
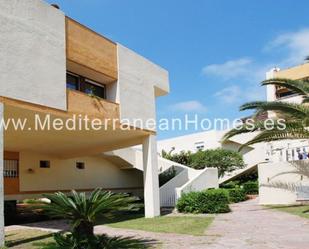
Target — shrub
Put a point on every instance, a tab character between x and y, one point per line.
230	185
188	203
251	187
207	201
223	159
167	175
183	157
82	211
237	195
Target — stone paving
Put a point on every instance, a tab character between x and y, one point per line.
249	226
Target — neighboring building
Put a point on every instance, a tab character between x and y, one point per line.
275	93
270	158
252	155
286	151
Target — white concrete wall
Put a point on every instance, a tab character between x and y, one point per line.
32	48
63	174
207	178
151	179
267	173
270	89
212	140
135	89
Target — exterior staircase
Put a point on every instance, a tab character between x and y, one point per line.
252	159
186	179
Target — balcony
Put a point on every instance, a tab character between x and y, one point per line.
93	107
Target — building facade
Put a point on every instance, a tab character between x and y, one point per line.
252	155
55	70
284	153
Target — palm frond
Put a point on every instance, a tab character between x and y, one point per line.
296	110
300	87
275	135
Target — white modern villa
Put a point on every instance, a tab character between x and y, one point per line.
56	74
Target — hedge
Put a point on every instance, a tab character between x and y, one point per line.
207	201
237	195
251	187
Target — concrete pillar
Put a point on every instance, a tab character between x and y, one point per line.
151	180
1	180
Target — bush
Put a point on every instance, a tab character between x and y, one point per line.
230	185
251	187
223	159
167	175
207	201
237	195
183	157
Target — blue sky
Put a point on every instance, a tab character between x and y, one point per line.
216	51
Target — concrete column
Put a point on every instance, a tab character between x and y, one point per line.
151	180
1	180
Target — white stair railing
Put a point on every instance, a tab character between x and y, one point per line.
167	191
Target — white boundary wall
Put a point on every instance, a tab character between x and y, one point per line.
273	196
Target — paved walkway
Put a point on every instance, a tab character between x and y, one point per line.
249	226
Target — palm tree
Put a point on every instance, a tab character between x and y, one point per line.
296	116
83	212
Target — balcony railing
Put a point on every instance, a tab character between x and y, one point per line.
93	107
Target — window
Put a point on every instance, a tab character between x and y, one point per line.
44	164
94	89
85	85
10	168
80	165
72	81
199	145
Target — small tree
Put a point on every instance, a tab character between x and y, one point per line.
224	160
183	157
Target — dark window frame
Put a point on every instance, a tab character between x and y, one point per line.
80	165
82	81
43	162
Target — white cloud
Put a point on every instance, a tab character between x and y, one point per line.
229	69
295	44
235	95
243	75
188	106
229	94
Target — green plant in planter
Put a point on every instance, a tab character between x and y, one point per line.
83	211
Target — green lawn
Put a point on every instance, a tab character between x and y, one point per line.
193	225
302	211
29	239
